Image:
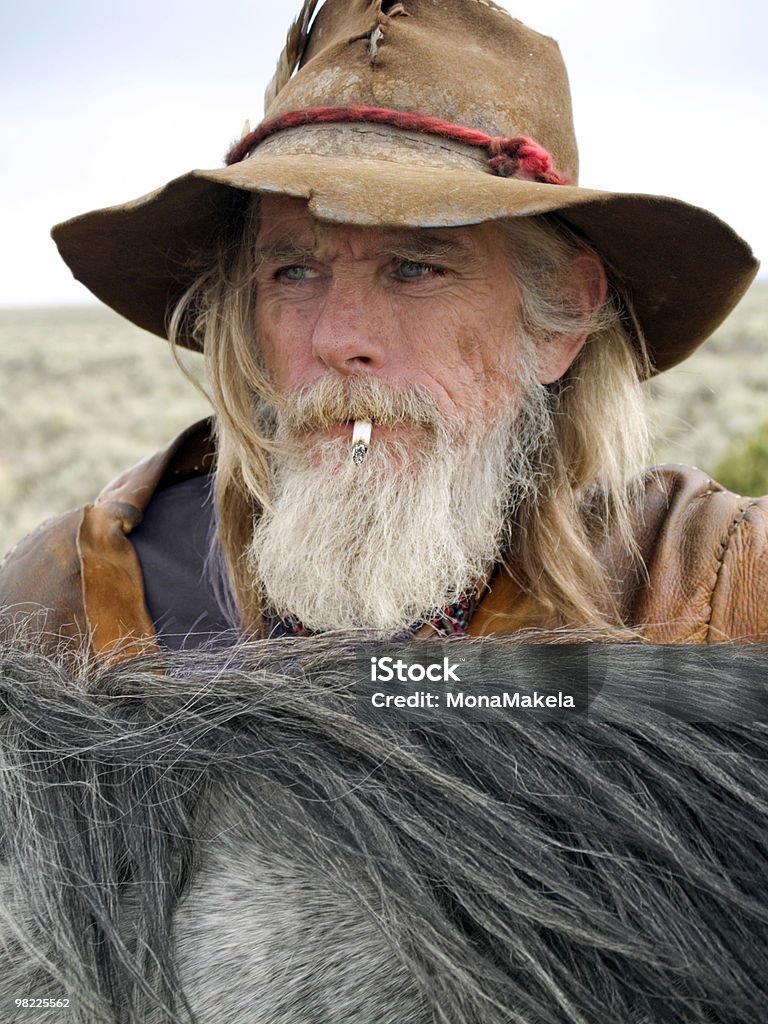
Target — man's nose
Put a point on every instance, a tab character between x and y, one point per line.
350	332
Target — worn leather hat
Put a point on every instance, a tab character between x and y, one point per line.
417	113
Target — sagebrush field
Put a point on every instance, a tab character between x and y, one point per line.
84	394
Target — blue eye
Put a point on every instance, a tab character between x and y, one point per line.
295	272
413	269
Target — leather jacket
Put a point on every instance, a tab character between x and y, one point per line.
705	551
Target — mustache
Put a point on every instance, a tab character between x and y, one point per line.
332	402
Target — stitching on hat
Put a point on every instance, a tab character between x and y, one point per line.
387	9
373	41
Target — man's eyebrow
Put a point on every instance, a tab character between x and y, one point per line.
422	246
418	246
284	248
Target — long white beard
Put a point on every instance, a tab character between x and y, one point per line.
392	541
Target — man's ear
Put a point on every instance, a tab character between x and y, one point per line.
586	292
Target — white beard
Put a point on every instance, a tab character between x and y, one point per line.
392	541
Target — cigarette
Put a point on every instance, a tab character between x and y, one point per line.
361	438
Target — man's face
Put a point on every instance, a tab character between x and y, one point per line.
419	332
435	309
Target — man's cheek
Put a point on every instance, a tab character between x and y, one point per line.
284	357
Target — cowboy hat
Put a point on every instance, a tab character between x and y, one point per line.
417	113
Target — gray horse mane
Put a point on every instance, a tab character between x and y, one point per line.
220	837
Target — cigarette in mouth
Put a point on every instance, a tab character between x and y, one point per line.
361	438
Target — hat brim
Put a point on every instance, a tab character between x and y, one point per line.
681	267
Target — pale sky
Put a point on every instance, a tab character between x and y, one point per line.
105	101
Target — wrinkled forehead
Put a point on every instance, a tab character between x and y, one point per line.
284	222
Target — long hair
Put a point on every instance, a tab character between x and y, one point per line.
584	472
588	474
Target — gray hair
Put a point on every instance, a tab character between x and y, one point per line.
220	837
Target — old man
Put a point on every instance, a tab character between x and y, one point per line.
425	345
